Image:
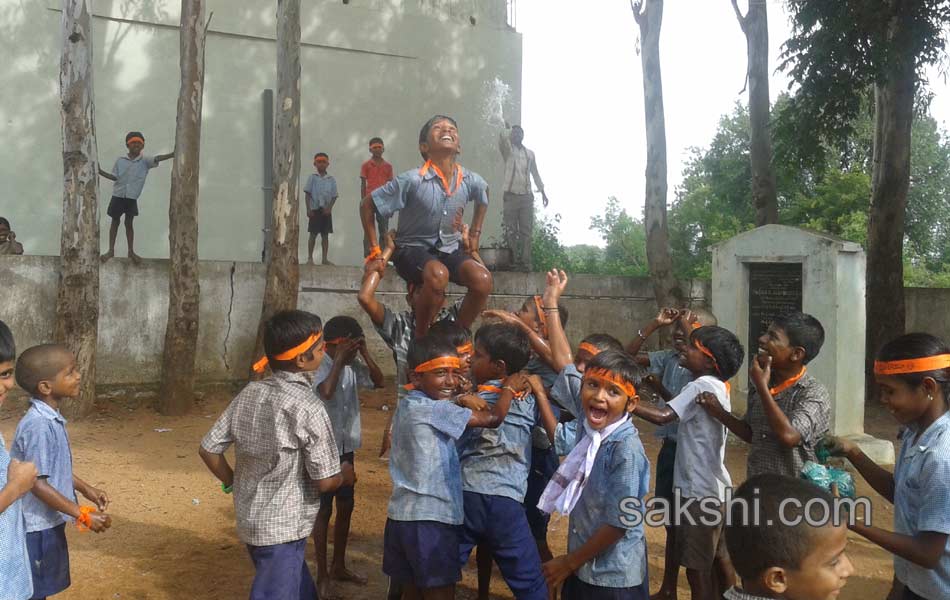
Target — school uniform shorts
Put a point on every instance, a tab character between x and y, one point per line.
49	560
281	573
344	491
423	553
122	206
575	589
410	261
544	464
500	524
698	545
665	461
320	223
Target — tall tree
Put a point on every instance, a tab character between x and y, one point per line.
181	331
755	26
77	300
649	16
837	50
283	271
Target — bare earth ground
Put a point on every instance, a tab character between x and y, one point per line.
173	531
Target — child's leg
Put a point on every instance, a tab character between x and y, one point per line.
320	529
483	558
341	527
130	236
325	246
435	278
664	489
514	549
311	242
473	275
49	560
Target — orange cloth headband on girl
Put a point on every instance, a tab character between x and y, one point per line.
613	378
443	362
134	139
445	183
912	365
466	348
707	352
590	348
289	354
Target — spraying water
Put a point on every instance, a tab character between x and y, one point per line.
497	97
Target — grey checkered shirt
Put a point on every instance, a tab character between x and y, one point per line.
807	406
283	443
735	593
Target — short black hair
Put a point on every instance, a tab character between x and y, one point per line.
288	329
375	140
603	342
342	326
918	345
40	363
427	348
505	342
759	542
323	154
3	221
424	132
451	331
803	330
7	346
620	363
133	134
726	349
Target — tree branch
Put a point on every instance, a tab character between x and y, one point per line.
636	6
735	6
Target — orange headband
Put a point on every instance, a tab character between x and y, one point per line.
591	349
376	147
134	139
912	365
443	362
611	377
289	354
321	158
695	326
466	348
707	352
542	318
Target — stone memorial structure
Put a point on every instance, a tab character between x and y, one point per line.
774	270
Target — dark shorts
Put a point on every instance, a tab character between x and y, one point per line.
344	491
499	524
123	206
423	553
699	545
281	572
544	464
665	460
575	589
49	560
910	595
320	223
410	262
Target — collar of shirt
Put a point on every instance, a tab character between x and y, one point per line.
292	378
928	437
47	411
735	593
136	159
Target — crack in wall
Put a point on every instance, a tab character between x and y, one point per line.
227	335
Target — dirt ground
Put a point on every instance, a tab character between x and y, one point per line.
173	534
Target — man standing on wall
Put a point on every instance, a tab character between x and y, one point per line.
520	165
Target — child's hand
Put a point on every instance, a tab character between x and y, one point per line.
838	446
711	405
326	211
99	497
465	384
387	441
348	473
760	370
99	522
501	315
472	402
666	316
556	283
537	386
349	348
470	245
517	381
557	570
689	318
390	245
20	477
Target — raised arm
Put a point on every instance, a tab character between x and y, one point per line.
877	477
779	422
345	353
368	218
666	317
924	549
504	142
107	175
538	343
162	157
367	294
655	414
548	420
557	339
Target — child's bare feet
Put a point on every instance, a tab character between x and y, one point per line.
135	258
310	261
662	594
345	574
106	256
327	263
327	591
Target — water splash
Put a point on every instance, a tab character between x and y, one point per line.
497	98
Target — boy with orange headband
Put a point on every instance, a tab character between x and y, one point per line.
431	203
912	373
286	455
421	540
128	173
48	372
789	411
713	355
346	367
374	173
321	195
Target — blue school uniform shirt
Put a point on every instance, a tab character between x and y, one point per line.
424	462
566	392
16	582
41	439
344	406
322	190
428	217
130	174
495	462
621	472
922	503
665	364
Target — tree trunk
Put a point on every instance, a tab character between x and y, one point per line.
756	28
77	299
181	331
665	286
890	181
283	275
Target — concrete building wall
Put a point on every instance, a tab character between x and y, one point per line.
369	67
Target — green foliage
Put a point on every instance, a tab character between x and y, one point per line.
546	250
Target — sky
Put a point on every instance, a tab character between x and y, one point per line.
582	95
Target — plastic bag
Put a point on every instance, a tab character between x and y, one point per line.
824	477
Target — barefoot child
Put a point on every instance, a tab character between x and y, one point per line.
786	553
48	372
321	195
912	373
16	479
345	367
431	203
129	175
421	540
713	355
286	456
